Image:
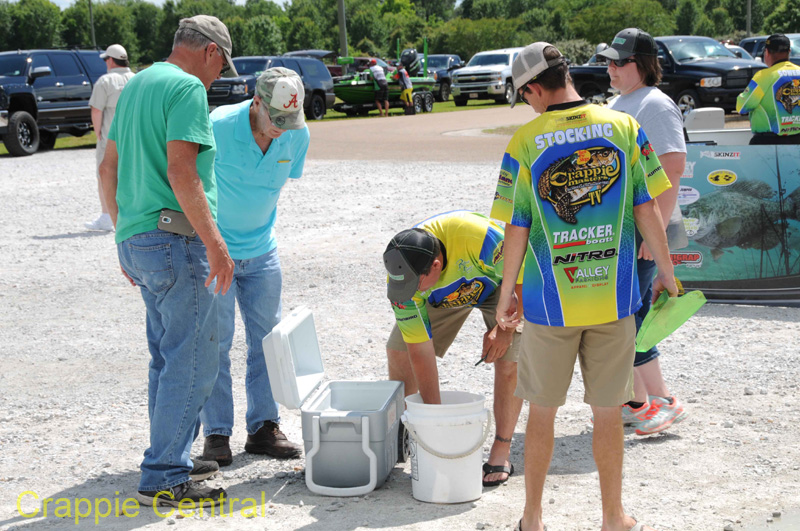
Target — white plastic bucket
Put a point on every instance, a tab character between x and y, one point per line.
445	442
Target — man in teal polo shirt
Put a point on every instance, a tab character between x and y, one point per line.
160	155
260	144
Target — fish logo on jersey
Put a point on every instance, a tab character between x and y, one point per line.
466	295
788	95
583	177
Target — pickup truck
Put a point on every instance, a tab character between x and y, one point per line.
696	72
44	93
487	76
440	68
317	82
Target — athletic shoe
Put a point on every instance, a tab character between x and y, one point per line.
634	417
102	223
199	495
670	411
203	469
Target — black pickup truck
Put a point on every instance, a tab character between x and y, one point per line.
44	93
697	72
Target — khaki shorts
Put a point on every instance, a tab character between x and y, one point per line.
605	351
445	324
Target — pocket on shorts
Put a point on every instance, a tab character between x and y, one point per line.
153	265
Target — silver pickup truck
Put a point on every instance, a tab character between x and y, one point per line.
487	76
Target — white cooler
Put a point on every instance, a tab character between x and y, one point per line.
350	429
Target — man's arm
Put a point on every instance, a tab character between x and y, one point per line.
648	221
97	121
188	189
423	363
673	164
108	178
751	97
514	249
498	340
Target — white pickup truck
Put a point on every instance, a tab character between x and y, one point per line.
487	76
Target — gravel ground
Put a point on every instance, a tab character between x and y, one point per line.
72	342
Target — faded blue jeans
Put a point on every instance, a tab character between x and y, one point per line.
257	287
182	336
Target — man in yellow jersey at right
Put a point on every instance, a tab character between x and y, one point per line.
772	99
574	183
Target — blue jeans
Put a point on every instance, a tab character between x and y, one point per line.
645	270
182	337
257	286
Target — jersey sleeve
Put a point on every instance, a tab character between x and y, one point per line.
648	177
751	97
412	320
512	197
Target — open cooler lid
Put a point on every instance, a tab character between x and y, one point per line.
294	361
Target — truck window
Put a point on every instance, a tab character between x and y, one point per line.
41	60
12	65
313	69
96	66
65	65
291	64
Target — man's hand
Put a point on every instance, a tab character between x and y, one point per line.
644	252
220	266
126	275
506	316
496	342
664	282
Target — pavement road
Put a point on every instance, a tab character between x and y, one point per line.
440	137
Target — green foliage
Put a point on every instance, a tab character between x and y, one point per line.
254	8
113	24
785	19
704	27
146	20
737	9
466	37
722	21
263	37
441	9
686	17
489	9
35	24
578	50
5	25
601	22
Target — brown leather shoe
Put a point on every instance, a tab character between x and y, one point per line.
217	448
270	440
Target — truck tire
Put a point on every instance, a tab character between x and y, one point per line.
23	136
444	92
47	140
460	102
508	94
418	102
427	104
687	100
316	109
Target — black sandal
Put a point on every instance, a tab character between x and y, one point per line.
496	469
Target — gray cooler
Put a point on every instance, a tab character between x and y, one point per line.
350	429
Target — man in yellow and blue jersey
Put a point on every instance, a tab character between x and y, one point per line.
438	272
574	184
772	99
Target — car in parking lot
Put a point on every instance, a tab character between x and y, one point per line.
755	46
487	76
317	82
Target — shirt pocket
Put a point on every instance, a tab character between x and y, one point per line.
279	173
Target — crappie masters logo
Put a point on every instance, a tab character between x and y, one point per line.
583	177
788	95
466	295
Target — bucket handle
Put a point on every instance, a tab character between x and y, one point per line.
341	491
413	434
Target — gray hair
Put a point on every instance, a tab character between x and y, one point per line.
191	39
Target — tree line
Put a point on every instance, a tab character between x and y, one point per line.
374	27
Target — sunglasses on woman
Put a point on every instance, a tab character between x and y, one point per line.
619	63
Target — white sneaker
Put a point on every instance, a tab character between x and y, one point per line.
102	223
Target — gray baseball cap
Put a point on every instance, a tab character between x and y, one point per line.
214	29
530	63
409	253
630	41
282	91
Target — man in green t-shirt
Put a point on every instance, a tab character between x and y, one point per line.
158	182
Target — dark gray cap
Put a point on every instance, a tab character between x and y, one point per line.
408	254
630	41
778	42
